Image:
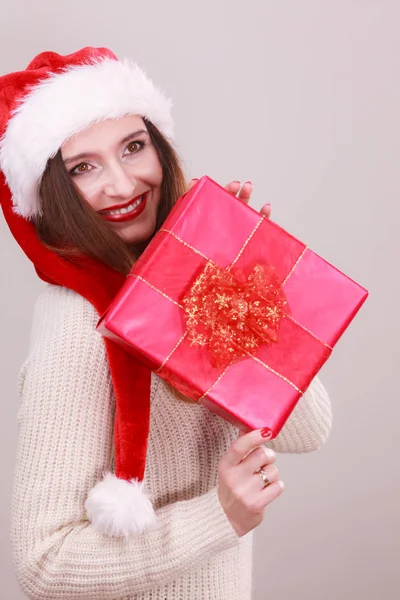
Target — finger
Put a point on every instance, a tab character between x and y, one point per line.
270	493
257	483
233	187
245	444
245	192
266	211
192	183
258	458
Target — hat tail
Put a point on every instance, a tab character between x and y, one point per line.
118	505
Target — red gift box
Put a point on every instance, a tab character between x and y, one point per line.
231	309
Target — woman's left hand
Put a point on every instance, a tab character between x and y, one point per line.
244	194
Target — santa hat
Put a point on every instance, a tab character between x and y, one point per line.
40	108
58	96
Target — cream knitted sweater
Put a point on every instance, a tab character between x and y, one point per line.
66	444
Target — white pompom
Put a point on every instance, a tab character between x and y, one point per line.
121	508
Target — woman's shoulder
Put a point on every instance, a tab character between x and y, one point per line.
56	300
62	313
61	297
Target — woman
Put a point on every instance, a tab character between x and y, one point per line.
106	506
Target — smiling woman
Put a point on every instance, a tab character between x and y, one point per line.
120	490
120	176
102	169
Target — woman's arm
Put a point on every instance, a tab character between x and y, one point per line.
65	444
310	423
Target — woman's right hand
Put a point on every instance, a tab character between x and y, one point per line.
241	490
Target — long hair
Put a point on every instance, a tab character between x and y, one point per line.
69	226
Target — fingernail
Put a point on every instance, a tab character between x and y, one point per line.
266	432
281	484
248	182
269	453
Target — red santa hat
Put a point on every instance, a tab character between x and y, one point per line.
40	108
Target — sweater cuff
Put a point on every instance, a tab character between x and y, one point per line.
221	523
207	522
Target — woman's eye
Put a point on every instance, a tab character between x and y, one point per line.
82	168
134	147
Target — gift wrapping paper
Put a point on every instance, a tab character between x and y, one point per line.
231	309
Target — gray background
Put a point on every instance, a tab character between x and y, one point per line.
302	98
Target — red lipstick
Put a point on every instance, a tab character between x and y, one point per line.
128	213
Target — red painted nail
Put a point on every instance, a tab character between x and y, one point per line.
266	432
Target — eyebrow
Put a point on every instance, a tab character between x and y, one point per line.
128	137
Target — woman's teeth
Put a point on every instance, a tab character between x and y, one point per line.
127	209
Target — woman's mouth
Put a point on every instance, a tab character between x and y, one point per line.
126	212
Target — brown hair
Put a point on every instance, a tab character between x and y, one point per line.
69	226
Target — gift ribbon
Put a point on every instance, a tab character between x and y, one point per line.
278	305
233	316
180	240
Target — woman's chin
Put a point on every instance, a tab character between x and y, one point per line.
135	234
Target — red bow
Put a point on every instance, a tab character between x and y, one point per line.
233	316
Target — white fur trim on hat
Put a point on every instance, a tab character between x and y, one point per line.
120	508
62	105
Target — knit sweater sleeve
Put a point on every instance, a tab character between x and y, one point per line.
65	444
310	423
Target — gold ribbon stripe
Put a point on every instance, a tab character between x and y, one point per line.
278	374
178	343
153	287
185	243
215	382
294	266
246	242
310	332
290	316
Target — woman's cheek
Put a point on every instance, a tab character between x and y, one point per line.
90	192
151	169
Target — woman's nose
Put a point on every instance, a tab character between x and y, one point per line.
119	182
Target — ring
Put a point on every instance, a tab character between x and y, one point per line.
264	477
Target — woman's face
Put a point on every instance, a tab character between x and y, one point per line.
115	166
